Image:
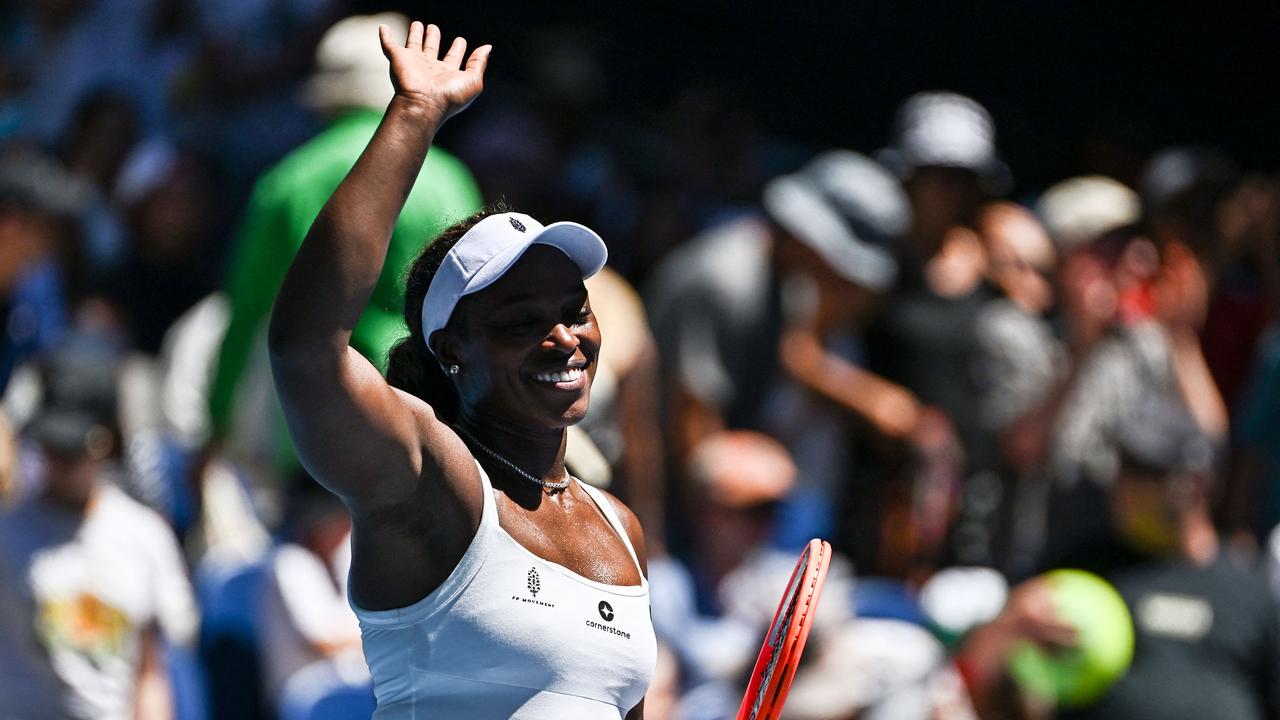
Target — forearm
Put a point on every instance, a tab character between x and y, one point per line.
152	696
1197	386
888	408
338	265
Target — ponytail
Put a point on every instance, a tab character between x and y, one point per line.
412	367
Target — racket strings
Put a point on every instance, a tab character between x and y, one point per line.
775	655
785	639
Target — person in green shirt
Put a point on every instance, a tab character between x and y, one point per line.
354	87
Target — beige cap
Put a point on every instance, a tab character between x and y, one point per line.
351	71
1081	209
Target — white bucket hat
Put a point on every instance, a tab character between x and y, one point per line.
488	250
849	210
945	129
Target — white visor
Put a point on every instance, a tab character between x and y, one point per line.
491	248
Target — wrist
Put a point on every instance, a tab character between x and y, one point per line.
418	108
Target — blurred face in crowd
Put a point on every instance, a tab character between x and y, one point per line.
742	477
941	198
1108	282
72	474
1020	255
25	237
837	302
172	220
1148	509
732	532
527	345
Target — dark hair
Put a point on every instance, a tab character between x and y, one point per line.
410	365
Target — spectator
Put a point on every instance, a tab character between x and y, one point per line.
1019	363
713	612
90	580
166	196
764	307
36	199
1020	357
1207	639
1132	313
925	339
304	611
1079	210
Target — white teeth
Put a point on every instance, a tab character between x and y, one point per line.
565	376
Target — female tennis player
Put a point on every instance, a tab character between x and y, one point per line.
488	582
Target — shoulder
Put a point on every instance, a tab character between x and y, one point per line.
724	265
322	160
132	518
130	524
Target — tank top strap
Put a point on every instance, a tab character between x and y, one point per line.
615	522
489	511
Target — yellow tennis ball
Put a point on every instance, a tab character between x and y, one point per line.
1104	632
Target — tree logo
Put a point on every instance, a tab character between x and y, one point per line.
516	224
534	583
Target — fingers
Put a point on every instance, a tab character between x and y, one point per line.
479	59
384	37
415	36
457	51
426	39
431	46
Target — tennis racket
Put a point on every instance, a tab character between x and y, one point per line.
776	665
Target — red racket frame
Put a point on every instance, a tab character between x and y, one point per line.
776	665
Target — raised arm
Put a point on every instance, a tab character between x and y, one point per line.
350	426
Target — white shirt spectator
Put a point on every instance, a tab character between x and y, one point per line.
77	593
305	615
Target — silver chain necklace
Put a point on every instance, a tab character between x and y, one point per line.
558	485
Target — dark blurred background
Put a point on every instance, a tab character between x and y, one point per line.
1075	87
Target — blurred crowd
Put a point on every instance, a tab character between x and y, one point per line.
959	381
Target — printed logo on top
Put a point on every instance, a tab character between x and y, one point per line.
533	585
606	614
517	224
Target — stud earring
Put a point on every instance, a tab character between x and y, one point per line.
453	369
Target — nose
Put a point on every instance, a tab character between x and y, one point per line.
560	337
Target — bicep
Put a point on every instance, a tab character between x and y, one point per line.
349	426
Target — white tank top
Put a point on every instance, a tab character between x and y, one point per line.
510	635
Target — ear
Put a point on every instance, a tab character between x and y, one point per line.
446	348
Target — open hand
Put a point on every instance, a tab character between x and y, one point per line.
443	85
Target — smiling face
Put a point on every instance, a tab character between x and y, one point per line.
527	345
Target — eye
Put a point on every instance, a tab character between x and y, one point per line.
519	323
579	316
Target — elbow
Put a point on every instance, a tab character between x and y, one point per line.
290	341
